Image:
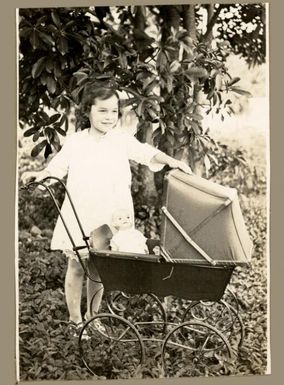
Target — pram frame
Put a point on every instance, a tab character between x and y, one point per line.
98	257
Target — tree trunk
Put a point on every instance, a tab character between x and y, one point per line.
209	32
148	192
171	18
189	22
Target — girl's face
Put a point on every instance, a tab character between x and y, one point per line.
104	114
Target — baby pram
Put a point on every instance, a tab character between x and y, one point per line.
203	239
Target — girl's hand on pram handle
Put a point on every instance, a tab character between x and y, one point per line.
163	158
34	176
174	163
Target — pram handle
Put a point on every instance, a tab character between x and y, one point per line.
29	185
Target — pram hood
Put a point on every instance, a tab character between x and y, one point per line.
202	222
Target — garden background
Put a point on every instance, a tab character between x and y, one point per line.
233	152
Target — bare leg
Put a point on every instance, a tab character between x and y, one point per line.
73	289
96	290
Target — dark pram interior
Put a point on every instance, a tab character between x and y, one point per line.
203	238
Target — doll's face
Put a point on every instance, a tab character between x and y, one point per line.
121	219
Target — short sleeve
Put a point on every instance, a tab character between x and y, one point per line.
59	164
142	153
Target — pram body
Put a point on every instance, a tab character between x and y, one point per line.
192	207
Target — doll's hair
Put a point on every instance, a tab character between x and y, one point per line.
92	93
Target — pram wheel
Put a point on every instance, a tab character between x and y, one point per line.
195	349
113	344
221	315
145	311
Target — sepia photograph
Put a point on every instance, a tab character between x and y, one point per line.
143	171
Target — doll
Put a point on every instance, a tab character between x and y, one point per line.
127	238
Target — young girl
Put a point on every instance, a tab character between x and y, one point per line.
96	161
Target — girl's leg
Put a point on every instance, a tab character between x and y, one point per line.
96	290
73	289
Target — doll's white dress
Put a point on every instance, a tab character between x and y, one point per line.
99	180
129	240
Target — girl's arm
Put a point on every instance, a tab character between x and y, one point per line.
36	175
163	158
146	154
58	166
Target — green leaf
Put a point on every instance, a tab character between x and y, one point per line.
37	149
161	60
56	19
149	88
38	67
61	132
51	84
57	70
66	125
233	81
123	60
49	65
43	78
207	163
213	157
195	127
81	77
46	38
62	120
196	72
55	141
30	131
54	118
34	39
76	93
62	45
140	108
196	116
36	136
76	36
25	32
175	65
48	132
240	91
44	116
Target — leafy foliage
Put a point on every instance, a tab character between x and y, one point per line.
245	32
149	52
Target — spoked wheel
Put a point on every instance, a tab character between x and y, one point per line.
195	349
232	300
109	343
220	315
145	311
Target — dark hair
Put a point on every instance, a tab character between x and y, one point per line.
92	93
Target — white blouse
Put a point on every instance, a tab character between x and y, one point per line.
99	180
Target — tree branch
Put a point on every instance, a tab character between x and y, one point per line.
211	23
